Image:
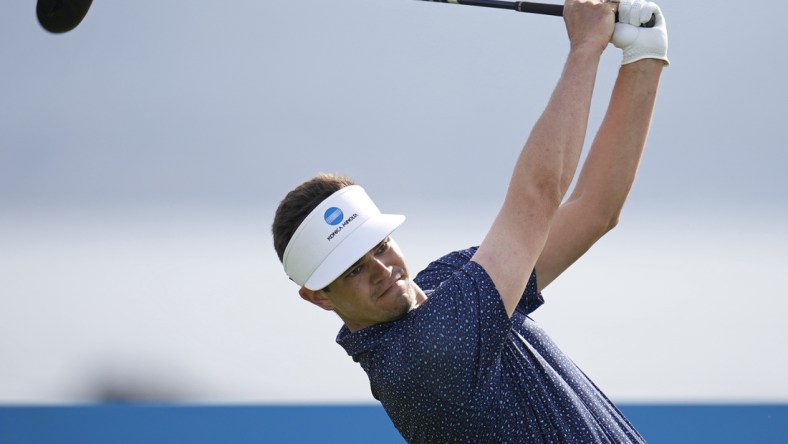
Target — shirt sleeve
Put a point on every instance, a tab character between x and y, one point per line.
531	298
442	269
460	331
457	336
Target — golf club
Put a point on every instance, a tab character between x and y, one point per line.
59	16
534	8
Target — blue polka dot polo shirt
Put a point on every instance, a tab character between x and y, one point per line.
458	370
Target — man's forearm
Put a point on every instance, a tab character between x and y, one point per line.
542	174
612	162
607	174
552	152
549	158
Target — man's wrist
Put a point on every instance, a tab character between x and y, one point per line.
588	50
588	56
644	66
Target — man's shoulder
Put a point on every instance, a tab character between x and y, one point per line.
442	268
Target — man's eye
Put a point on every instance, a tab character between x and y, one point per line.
354	271
383	247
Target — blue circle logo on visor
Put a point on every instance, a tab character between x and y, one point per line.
333	216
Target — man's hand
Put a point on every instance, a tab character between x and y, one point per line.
640	43
589	23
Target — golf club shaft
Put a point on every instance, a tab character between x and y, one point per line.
534	8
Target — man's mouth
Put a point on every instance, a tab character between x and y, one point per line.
391	286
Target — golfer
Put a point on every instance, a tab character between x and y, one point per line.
452	353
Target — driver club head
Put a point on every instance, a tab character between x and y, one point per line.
59	16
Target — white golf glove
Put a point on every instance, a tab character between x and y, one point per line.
640	43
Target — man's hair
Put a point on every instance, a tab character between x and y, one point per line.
299	202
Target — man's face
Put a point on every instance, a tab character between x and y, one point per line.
375	289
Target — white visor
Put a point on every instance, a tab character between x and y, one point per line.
336	234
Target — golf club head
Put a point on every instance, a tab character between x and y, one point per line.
59	16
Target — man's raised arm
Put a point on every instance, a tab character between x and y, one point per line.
609	170
547	163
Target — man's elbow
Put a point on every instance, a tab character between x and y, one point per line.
548	196
540	194
602	221
612	221
599	214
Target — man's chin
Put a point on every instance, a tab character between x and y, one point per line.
399	312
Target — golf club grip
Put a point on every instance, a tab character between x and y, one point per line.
549	9
540	8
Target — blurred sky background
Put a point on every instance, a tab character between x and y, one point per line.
142	156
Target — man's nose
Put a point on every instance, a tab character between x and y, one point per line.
380	271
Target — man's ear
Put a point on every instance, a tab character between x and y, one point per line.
317	297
